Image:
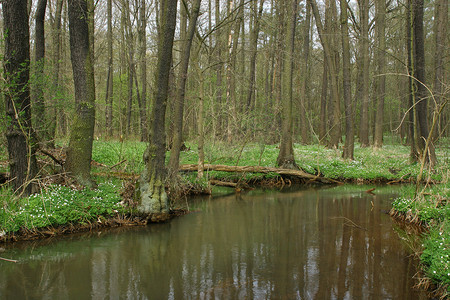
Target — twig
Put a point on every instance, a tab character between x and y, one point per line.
119	163
59	162
353	224
10	260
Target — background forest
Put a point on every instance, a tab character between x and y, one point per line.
259	71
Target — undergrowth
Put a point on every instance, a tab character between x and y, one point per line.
60	205
431	207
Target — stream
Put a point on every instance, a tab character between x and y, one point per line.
298	243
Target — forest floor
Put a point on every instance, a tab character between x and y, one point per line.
63	207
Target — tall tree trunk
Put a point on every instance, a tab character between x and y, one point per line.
130	49
410	67
304	78
152	192
286	157
79	153
364	65
219	66
109	79
421	94
441	51
253	52
331	63
40	110
346	78
323	133
380	26
19	132
143	66
232	122
56	41
180	93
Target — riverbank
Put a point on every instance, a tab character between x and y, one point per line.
429	211
64	208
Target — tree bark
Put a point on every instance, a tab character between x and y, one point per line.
152	193
177	140
364	65
19	132
109	78
346	77
40	110
79	153
286	157
305	137
232	122
380	28
143	68
253	53
323	133
56	40
421	94
331	63
441	51
258	169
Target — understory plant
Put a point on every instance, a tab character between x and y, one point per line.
60	205
432	209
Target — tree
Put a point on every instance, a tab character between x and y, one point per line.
380	79
79	152
286	157
363	65
56	40
441	38
19	132
143	68
346	78
332	71
253	52
109	77
419	80
153	196
180	92
41	125
304	78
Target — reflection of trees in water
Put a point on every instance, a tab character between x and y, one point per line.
290	245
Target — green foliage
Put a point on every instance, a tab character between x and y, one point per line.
59	205
436	254
113	152
432	206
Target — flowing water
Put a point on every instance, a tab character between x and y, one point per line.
335	243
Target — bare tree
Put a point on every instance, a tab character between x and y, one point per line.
346	78
181	87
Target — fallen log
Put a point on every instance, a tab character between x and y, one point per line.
258	169
236	185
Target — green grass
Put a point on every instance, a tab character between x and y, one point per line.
433	207
60	205
436	254
389	163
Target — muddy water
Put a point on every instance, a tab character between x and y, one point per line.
335	243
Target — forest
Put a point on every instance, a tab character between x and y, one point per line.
182	79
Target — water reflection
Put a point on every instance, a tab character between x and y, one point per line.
304	244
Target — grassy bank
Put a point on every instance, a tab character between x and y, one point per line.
430	209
